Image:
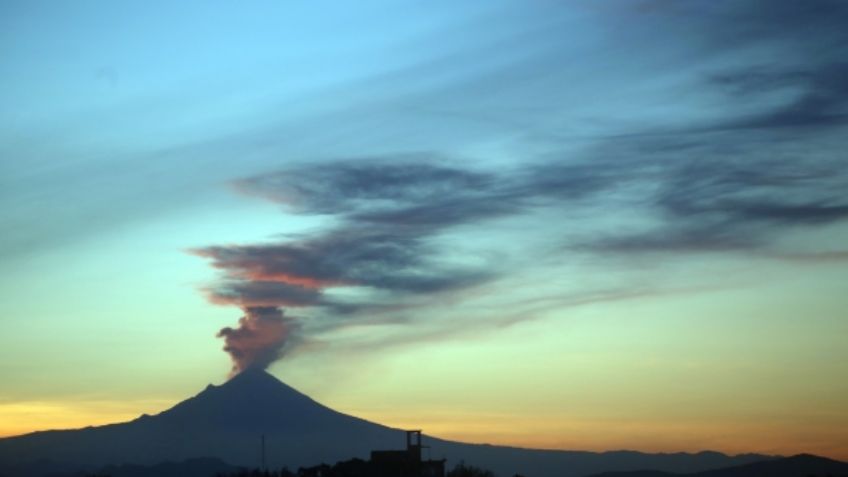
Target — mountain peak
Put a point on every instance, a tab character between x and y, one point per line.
258	382
253	377
249	381
249	399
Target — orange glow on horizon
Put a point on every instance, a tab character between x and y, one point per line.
600	435
24	417
539	432
507	430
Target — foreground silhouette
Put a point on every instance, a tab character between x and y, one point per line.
802	465
796	466
349	468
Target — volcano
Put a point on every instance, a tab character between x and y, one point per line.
227	422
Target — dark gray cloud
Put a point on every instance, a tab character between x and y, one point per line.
810	24
295	272
732	191
389	215
769	191
775	161
715	192
792	26
421	192
444	211
816	97
771	161
261	293
366	184
796	52
678	239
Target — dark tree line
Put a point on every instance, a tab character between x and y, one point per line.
349	468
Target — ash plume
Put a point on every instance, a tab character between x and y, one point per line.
389	213
260	338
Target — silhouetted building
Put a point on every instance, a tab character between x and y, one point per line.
406	463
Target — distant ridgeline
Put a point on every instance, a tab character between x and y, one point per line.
408	463
348	468
802	465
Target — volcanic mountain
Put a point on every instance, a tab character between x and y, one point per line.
226	422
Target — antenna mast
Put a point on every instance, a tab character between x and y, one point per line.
263	452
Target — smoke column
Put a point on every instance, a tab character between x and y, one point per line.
259	339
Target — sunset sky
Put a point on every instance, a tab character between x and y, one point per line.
560	224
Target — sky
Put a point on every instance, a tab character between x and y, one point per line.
557	224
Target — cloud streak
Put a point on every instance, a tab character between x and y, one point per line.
406	228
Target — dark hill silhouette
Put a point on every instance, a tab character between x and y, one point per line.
802	465
189	468
254	400
226	422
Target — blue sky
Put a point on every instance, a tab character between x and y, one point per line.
581	184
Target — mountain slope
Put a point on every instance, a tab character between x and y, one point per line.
226	422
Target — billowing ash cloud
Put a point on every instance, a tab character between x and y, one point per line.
389	212
385	241
259	339
765	161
